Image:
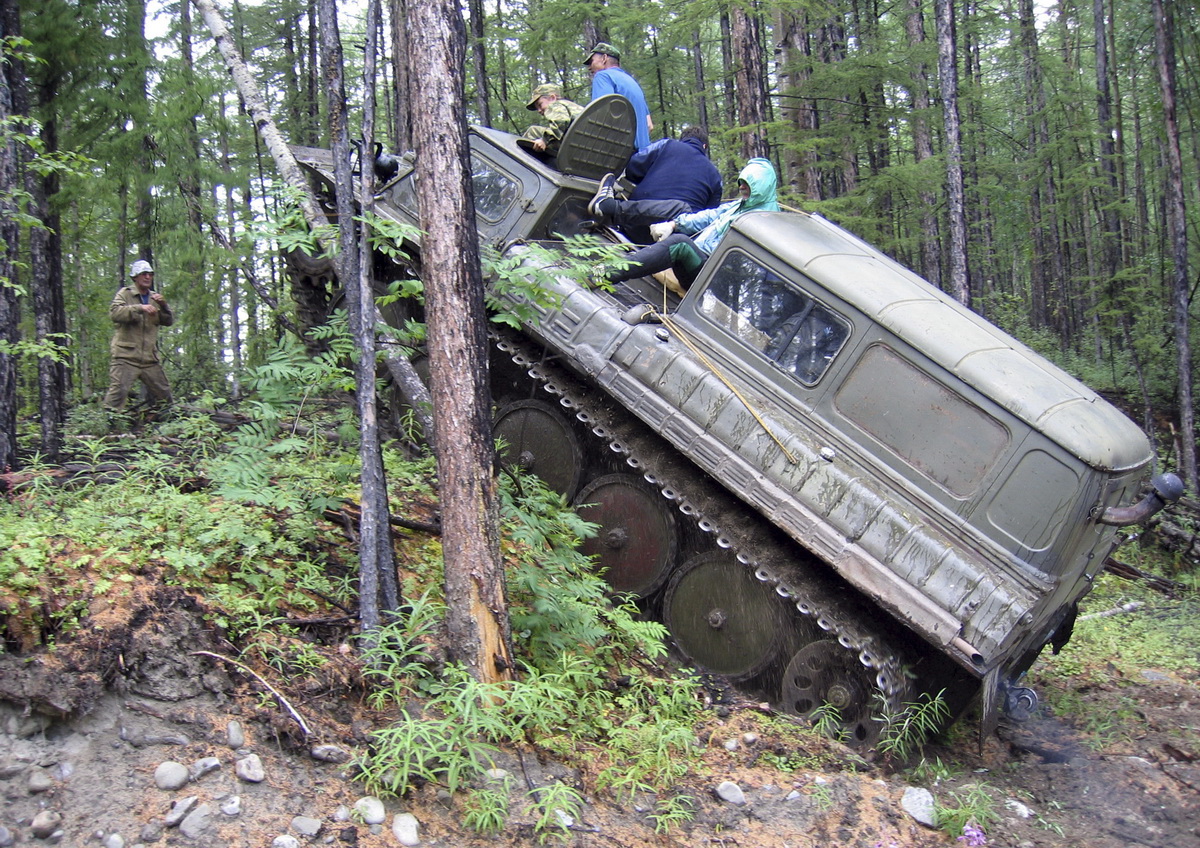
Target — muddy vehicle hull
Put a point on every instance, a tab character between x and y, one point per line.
836	485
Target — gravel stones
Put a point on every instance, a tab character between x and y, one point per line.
203	766
250	769
45	823
306	826
405	829
170	776
330	754
731	793
371	809
179	809
918	803
39	781
196	822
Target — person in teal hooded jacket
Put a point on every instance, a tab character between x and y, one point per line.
696	234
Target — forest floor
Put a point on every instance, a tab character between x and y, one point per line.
86	724
147	676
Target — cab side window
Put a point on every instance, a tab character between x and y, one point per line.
495	191
776	317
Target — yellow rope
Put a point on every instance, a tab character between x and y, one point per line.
678	330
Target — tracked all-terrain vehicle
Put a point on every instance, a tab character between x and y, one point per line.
833	483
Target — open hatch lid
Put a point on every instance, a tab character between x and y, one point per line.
600	140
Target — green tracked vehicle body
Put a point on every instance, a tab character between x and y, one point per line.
964	490
941	467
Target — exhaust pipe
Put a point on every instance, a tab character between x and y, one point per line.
1166	488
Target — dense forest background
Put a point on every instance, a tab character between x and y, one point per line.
1038	160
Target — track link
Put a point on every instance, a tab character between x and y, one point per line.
715	513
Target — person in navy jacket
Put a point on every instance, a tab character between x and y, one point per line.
673	177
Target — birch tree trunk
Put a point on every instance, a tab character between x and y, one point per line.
931	255
959	283
260	113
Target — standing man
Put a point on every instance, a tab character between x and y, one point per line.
673	177
137	311
558	111
608	77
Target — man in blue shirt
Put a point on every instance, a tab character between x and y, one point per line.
608	77
672	177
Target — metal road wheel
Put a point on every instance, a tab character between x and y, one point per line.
824	674
539	439
724	619
637	543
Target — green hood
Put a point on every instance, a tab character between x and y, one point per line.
759	174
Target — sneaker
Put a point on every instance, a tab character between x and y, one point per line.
606	191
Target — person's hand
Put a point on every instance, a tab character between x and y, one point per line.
157	298
539	145
148	308
661	230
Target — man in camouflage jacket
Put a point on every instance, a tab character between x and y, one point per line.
557	111
137	311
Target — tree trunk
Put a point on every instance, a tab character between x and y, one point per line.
260	113
477	609
701	86
749	80
401	62
931	255
483	110
799	112
727	67
45	273
1164	40
10	234
355	272
960	288
374	478
137	53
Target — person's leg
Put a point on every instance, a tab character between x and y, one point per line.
641	213
121	374
686	258
642	262
659	257
156	383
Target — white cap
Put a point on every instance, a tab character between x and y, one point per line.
140	267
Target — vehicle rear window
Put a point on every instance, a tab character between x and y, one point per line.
775	316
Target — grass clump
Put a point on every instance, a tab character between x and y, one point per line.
589	690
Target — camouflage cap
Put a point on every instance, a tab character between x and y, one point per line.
604	49
541	91
140	267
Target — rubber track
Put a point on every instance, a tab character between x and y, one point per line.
714	512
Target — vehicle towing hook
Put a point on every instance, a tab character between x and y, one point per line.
1165	488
